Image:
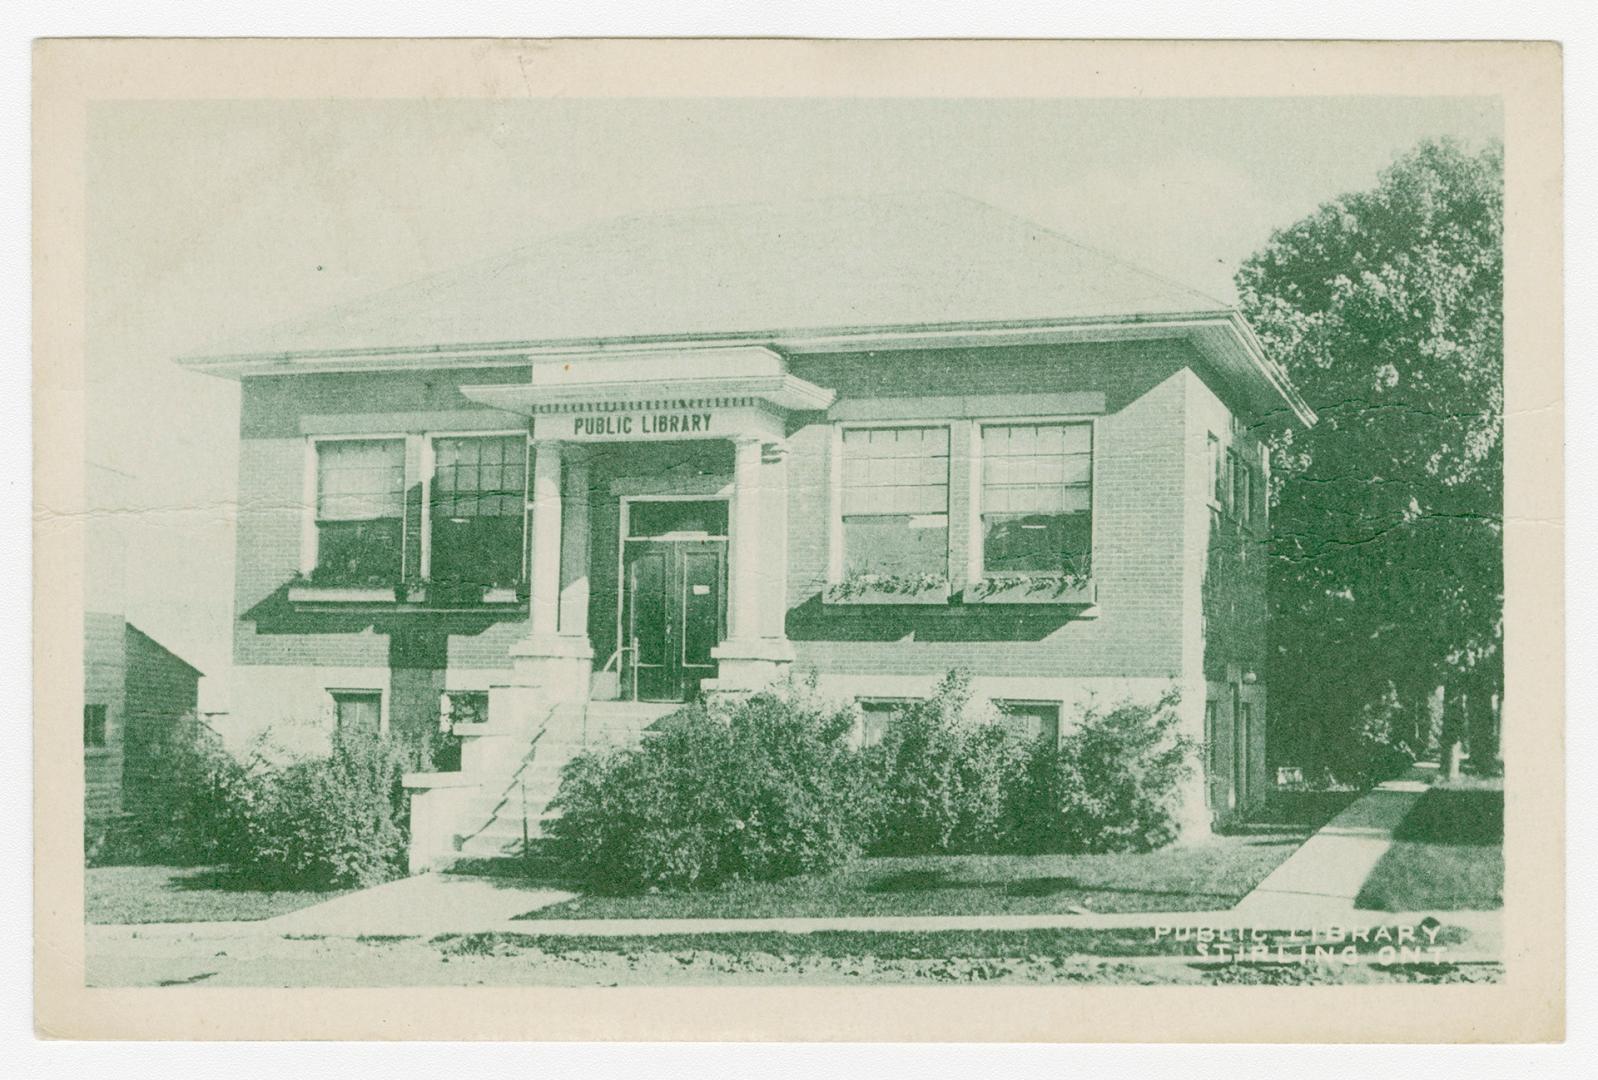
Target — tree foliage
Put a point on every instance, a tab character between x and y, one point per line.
1386	308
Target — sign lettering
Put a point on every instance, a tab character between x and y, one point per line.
622	425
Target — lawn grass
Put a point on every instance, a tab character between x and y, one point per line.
893	944
1447	855
1212	874
164	894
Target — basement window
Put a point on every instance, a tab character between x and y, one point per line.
358	710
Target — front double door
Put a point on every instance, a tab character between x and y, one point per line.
674	612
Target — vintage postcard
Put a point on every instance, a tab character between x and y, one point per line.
799	540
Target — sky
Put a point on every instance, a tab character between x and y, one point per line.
209	219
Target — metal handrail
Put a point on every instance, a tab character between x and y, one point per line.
615	658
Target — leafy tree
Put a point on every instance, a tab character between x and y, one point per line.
1386	308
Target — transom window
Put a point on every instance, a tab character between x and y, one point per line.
360	511
1037	498
479	510
896	501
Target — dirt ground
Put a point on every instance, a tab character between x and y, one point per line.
342	962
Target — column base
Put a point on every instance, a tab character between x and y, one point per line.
749	665
558	665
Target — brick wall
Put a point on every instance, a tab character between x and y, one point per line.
1230	596
276	417
1138	503
1148	404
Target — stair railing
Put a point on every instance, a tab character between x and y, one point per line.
632	668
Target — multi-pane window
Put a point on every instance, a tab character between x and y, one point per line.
1037	498
896	501
360	511
94	726
358	710
479	509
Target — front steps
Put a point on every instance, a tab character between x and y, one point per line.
510	812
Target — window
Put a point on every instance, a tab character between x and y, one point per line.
478	510
896	501
875	715
463	707
360	511
1236	485
1037	498
1031	720
94	726
358	710
1212	753
1217	470
1245	492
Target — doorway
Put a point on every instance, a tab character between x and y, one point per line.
673	596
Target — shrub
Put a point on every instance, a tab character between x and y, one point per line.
329	822
190	816
1113	784
948	774
761	788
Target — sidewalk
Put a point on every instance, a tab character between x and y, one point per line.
425	905
1320	881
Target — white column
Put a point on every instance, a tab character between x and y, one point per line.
543	576
575	546
757	650
743	606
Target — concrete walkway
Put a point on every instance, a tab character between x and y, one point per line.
1320	881
423	905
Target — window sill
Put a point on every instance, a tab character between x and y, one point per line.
415	596
1040	591
868	594
342	594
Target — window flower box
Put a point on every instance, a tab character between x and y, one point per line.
888	589
1064	589
467	594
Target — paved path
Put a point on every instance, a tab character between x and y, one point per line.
1320	881
423	905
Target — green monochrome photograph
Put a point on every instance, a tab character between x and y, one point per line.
824	536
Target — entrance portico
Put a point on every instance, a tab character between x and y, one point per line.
579	406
